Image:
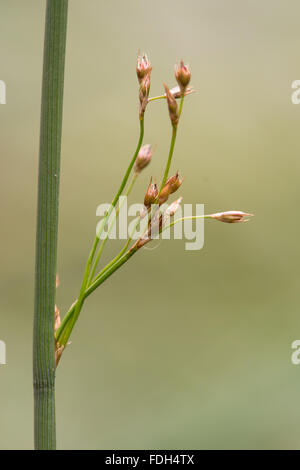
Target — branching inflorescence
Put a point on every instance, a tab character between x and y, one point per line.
158	219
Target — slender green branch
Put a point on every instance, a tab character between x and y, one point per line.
171	151
130	187
62	335
180	105
121	253
65	329
172	145
62	332
47	222
125	179
109	268
154	98
182	219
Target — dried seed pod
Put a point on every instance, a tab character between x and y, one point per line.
231	217
143	159
164	194
172	105
143	67
182	75
144	94
151	194
174	182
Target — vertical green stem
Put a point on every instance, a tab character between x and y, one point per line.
47	222
172	145
171	151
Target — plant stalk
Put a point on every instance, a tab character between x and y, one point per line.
85	282
47	223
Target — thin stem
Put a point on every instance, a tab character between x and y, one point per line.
109	269
82	291
65	329
172	145
171	151
47	223
121	253
125	179
182	219
181	104
62	335
130	187
154	98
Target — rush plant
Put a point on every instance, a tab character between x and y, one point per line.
51	333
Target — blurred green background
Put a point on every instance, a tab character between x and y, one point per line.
178	349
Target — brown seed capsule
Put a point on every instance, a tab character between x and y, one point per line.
144	94
172	105
143	159
164	194
231	217
182	75
151	194
143	67
174	182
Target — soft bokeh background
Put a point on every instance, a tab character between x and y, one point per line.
179	349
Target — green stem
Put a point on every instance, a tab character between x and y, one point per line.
172	145
62	335
82	291
62	332
125	179
171	151
117	262
182	219
130	187
180	105
65	329
154	98
47	223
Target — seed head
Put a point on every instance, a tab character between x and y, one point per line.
164	194
231	217
172	184
143	159
172	105
144	93
182	75
143	67
151	194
